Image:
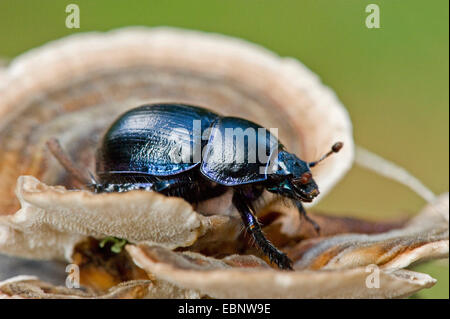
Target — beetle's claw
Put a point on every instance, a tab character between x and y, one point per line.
282	260
276	256
286	263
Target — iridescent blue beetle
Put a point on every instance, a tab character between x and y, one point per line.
182	150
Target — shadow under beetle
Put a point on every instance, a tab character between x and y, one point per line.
183	151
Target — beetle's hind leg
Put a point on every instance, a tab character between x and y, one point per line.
243	205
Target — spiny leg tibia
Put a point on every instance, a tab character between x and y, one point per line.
243	205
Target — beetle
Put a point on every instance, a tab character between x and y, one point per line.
180	150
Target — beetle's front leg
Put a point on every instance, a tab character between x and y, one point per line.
303	213
252	225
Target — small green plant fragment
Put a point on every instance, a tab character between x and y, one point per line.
117	244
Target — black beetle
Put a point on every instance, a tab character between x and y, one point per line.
180	150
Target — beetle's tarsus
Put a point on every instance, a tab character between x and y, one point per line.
284	262
280	259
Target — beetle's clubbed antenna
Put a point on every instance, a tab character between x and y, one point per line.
55	148
334	149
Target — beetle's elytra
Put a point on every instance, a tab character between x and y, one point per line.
182	150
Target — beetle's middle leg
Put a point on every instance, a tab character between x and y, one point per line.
300	208
303	213
243	205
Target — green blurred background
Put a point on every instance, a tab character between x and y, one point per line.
393	80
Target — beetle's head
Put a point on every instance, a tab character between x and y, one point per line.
292	177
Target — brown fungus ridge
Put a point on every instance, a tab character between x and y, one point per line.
28	287
74	88
249	279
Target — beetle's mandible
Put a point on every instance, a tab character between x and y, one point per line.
183	150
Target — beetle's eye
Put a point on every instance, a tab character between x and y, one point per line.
306	177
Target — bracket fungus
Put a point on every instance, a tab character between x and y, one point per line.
73	88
